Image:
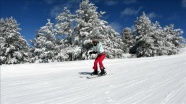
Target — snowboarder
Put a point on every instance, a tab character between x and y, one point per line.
98	49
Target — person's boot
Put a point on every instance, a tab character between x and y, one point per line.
103	72
95	72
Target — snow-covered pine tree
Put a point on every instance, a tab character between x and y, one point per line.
174	36
65	28
152	40
114	44
159	40
89	25
13	46
144	38
161	45
44	46
128	39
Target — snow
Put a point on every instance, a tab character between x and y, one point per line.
154	80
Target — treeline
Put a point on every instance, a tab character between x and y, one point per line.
70	38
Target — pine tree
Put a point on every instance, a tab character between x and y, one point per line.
44	46
13	47
176	35
89	25
152	40
144	37
65	26
149	38
159	40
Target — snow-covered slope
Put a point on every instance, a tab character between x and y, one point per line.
156	80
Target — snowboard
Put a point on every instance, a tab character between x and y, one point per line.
89	75
95	76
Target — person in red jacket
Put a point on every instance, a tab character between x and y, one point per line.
99	50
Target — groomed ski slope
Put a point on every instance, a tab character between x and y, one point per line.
155	80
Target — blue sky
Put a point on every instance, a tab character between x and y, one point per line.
32	14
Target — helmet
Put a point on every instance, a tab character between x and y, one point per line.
95	41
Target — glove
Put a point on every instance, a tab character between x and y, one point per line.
93	52
90	53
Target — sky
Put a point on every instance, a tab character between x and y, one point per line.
33	14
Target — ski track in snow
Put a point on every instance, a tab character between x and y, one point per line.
155	80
